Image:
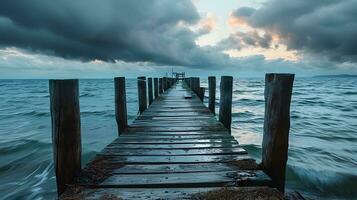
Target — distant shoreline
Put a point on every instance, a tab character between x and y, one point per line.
337	76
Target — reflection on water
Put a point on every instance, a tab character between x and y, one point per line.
322	154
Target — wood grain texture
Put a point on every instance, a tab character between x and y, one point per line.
66	131
142	98
150	91
120	104
156	88
278	91
225	103
212	94
161	90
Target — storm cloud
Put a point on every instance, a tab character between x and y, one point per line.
133	31
322	27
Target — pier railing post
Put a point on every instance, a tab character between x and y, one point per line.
66	131
225	103
196	85
151	99
156	87
201	93
278	90
142	93
160	86
120	104
212	94
164	83
191	83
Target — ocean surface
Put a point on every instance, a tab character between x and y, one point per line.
323	136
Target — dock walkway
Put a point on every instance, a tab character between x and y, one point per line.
173	149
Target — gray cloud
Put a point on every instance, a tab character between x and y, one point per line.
137	30
240	40
323	27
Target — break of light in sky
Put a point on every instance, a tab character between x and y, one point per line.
102	39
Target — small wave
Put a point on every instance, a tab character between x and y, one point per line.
349	93
87	95
243	114
322	181
37	114
24	144
99	113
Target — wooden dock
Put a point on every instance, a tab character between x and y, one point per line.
174	149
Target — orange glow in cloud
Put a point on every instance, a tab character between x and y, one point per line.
270	54
233	21
209	22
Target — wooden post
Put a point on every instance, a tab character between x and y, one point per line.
201	93
160	86
278	90
225	103
164	83
196	83
191	83
66	131
142	93
212	94
156	87
150	91
120	104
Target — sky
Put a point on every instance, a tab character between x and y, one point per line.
243	38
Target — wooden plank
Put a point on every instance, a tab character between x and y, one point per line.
177	124
173	141
174	129
174	146
183	193
175	168
143	193
197	179
174	152
178	159
177	136
206	133
188	118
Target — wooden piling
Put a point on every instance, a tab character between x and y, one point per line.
142	93
161	86
201	93
196	85
225	104
164	83
278	90
191	83
120	104
156	87
151	99
66	131
212	94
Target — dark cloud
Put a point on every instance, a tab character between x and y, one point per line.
240	40
323	27
243	12
137	30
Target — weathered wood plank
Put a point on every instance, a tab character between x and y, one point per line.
197	179
175	152
255	192
174	129
175	146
